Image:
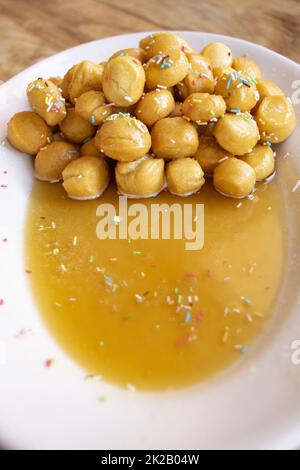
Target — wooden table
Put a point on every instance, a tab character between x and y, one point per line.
33	29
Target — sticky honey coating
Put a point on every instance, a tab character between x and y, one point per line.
200	78
123	138
46	100
123	80
160	100
155	105
275	118
141	178
218	54
92	106
210	154
136	52
75	128
203	107
166	69
246	65
236	133
234	178
239	91
262	160
184	176
174	138
52	160
85	77
28	133
89	149
163	43
86	178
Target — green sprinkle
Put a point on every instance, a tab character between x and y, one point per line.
212	112
179	300
135	252
58	305
176	290
244	349
91	259
87	139
114	287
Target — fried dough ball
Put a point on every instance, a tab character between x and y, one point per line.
52	160
141	178
92	107
262	160
203	107
200	77
75	128
275	118
246	66
174	138
163	43
57	81
123	80
166	69
238	91
210	154
184	176
236	133
136	52
85	77
66	82
28	133
218	54
46	100
89	149
267	88
86	178
155	105
234	178
123	138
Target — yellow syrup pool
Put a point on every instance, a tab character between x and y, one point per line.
148	313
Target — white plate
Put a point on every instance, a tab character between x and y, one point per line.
255	405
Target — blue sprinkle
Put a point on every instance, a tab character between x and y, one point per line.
268	143
228	82
72	151
187	317
93	119
244	349
87	139
235	110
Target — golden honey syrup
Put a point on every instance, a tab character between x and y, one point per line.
150	314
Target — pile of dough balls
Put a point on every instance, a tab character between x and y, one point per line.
160	117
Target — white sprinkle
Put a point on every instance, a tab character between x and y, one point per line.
72	299
128	98
63	268
55	251
138	298
249	318
297	185
239	205
75	241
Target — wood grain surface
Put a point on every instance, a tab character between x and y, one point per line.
33	29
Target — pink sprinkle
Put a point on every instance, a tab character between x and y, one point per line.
4	240
199	316
209	272
183	339
3	185
191	274
49	363
5	172
28	271
2	302
23	333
